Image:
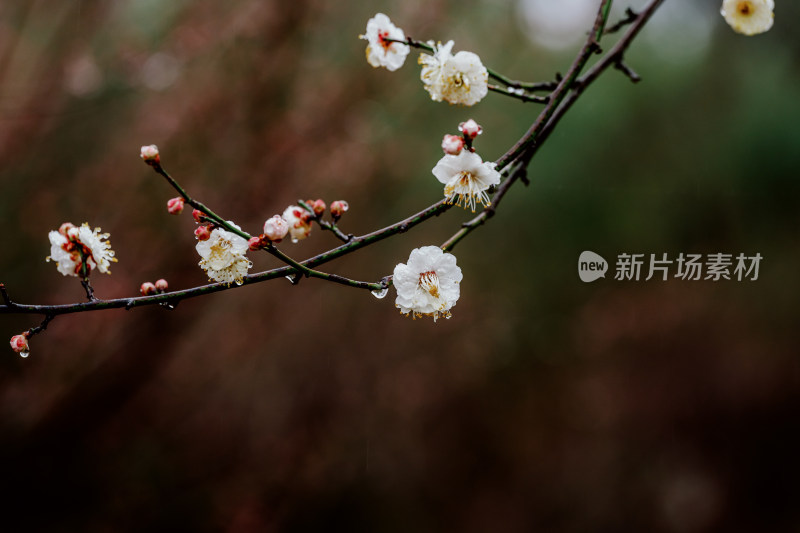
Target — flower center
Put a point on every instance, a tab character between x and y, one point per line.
383	37
429	282
744	8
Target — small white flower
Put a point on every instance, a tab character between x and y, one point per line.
748	17
457	79
223	256
380	51
428	285
71	247
299	222
466	178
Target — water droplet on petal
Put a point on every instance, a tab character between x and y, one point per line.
380	293
24	354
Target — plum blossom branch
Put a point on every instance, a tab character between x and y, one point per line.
564	91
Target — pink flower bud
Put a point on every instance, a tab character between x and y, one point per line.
338	207
255	243
198	216
276	228
470	128
318	206
147	288
202	233
19	343
175	205
150	154
162	285
452	144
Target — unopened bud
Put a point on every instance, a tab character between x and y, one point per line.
175	205
198	216
19	343
202	233
318	206
452	144
150	154
470	128
65	227
338	207
255	243
276	228
162	285
147	288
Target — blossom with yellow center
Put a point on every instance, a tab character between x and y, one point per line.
749	17
223	256
466	178
428	285
457	79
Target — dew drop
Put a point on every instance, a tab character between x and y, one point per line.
290	278
381	293
24	354
295	241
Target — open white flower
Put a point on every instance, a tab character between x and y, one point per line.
458	79
466	178
428	285
748	17
382	52
299	222
223	256
71	247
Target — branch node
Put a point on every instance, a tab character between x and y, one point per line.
620	65
4	294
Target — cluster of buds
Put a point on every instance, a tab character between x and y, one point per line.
453	144
149	155
19	343
202	232
159	287
275	229
318	206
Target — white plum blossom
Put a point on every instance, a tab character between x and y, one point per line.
71	247
299	222
748	17
452	144
223	256
457	79
428	285
466	178
382	52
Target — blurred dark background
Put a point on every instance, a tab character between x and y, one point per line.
544	404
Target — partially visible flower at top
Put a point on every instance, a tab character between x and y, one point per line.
19	343
338	207
470	128
452	144
79	250
428	285
382	52
175	205
466	178
749	17
458	79
223	256
150	154
276	228
299	222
